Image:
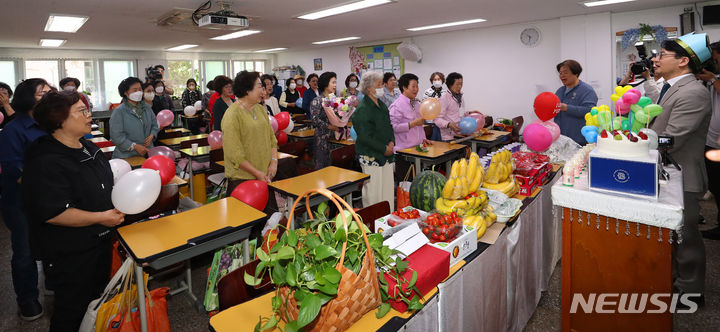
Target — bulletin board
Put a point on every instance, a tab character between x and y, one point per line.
384	58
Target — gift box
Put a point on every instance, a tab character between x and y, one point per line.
432	266
382	224
636	177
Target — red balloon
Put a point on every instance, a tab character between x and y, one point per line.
253	193
282	138
283	119
547	106
162	164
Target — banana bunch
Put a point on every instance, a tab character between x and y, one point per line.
501	167
466	176
463	207
481	221
508	187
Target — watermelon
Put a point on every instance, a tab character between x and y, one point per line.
425	189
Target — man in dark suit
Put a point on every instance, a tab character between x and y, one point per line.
686	116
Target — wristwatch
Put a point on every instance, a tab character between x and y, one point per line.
712	80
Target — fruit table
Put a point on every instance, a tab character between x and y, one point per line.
438	153
616	244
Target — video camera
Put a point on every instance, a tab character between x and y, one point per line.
665	143
152	74
644	63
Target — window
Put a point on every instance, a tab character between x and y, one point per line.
47	69
212	69
178	73
113	73
84	70
7	73
258	66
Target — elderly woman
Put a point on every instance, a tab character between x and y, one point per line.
375	143
300	81
67	188
576	97
191	94
73	84
271	103
452	107
323	129
14	139
162	98
224	86
351	85
289	97
246	128
437	79
390	90
310	94
133	125
7	111
406	120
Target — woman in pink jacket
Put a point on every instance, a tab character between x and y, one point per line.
452	107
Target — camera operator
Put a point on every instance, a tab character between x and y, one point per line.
161	69
686	116
713	167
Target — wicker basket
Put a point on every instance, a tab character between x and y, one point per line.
357	294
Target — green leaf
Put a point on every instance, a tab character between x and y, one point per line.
351	254
251	280
292	237
323	251
329	289
277	302
278	274
319	278
292	326
322	207
263	256
286	253
415	304
332	275
258	325
413	280
312	241
376	241
270	324
307	276
309	309
402	265
324	298
291	276
340	235
383	309
300	294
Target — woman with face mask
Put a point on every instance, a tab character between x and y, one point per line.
148	93
351	86
437	79
300	82
133	125
289	97
162	99
310	94
375	142
191	94
73	84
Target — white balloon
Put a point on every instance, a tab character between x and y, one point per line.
136	191
119	168
198	105
189	110
652	137
289	127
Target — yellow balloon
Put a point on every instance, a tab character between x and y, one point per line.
604	108
614	97
626	88
618	90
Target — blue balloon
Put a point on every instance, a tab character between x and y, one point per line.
353	134
467	125
590	133
298	102
591	137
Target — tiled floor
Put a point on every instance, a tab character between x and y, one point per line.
184	317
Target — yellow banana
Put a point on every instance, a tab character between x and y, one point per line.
448	189
457	190
472	168
454	170
475	183
492	173
462	170
456	204
504	187
465	186
481	229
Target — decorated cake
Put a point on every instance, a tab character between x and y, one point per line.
623	144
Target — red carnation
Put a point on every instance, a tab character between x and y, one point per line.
335	105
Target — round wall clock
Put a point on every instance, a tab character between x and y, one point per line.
530	37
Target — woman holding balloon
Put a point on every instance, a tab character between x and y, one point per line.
452	106
406	121
133	125
246	131
67	186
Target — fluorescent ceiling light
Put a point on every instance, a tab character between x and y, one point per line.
335	40
444	25
182	47
52	42
343	9
65	23
272	50
603	2
237	34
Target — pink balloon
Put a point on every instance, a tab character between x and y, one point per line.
165	118
479	117
273	123
215	139
162	151
631	96
621	106
552	127
537	137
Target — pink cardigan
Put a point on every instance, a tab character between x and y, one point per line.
450	112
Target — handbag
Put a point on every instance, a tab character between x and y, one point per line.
111	290
403	189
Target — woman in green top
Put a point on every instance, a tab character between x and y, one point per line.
250	147
375	142
133	125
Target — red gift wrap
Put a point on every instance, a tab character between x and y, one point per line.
432	266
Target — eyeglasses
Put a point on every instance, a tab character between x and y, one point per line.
85	112
663	54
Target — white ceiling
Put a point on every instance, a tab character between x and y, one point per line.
130	24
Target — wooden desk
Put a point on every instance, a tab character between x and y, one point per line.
135	161
281	155
180	237
98	139
341	181
306	134
203	152
184	131
438	152
345	142
178	181
171	142
96	133
244	316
